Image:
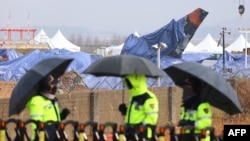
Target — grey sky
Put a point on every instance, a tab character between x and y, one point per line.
122	16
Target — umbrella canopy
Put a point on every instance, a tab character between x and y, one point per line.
27	86
121	65
215	89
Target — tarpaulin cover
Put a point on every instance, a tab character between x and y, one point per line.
13	70
175	35
170	34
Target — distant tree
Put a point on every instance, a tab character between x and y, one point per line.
116	39
90	41
97	42
72	38
79	41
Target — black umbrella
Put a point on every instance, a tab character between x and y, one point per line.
27	86
215	88
121	65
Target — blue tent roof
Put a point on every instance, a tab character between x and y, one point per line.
13	70
9	54
236	65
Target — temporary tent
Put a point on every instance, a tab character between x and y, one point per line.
189	48
59	41
238	45
42	37
115	50
208	45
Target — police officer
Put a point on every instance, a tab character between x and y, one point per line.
44	107
195	113
142	109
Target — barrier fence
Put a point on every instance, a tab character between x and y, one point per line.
108	131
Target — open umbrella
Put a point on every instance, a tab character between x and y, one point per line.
28	84
215	88
121	65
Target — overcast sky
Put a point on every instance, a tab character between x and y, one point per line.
121	16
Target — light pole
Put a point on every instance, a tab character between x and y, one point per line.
246	31
158	48
224	30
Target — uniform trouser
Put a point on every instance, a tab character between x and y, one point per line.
51	133
133	135
189	136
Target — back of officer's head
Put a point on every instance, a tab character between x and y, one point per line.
48	85
196	84
191	88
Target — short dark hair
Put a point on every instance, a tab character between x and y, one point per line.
45	82
196	83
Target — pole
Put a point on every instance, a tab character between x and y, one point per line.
158	47
159	64
223	45
246	51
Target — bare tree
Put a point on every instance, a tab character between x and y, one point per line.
72	38
79	41
90	43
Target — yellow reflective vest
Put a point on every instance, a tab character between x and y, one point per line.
42	109
202	117
143	109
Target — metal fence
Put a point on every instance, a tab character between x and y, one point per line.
93	131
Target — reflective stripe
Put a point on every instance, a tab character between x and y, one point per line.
150	113
205	117
36	115
196	131
48	105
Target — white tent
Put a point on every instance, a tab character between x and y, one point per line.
115	50
112	50
189	48
238	45
42	37
208	45
59	41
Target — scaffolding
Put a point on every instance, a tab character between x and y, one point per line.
21	31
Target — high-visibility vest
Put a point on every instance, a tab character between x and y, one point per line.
143	109
202	117
42	109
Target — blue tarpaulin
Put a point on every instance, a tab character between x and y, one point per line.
175	35
13	70
9	54
170	34
235	65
